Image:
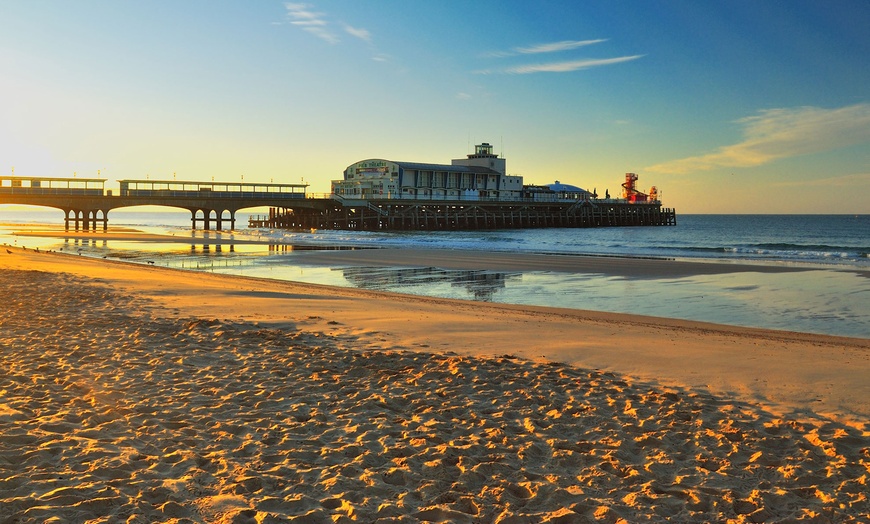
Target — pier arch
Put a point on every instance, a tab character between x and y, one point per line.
218	217
82	220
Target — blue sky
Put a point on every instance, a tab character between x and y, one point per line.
728	107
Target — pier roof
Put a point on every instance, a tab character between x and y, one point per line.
153	184
447	167
52	182
568	188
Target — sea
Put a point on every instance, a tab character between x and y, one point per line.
828	293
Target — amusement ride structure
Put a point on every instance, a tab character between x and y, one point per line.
632	194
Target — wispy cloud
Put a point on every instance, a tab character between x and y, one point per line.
565	67
774	134
302	15
552	47
565	45
320	25
362	34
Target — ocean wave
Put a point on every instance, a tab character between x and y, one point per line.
821	248
703	249
774	252
821	240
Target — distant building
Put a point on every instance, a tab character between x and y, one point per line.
569	192
555	192
480	175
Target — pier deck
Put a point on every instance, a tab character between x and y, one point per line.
398	214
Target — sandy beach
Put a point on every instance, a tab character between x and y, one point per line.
143	394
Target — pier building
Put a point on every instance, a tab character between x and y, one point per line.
469	193
480	174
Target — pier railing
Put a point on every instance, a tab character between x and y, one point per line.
476	198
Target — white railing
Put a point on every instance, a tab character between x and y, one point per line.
476	198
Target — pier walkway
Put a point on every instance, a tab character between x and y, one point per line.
86	203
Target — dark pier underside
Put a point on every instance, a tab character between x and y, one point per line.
418	215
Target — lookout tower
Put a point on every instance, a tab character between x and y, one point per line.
483	157
483	150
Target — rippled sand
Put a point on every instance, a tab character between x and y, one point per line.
113	410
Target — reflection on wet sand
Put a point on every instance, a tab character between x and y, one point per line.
481	285
218	248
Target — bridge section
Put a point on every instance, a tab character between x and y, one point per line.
86	203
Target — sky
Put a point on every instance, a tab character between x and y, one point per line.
731	106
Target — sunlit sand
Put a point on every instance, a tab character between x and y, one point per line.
141	394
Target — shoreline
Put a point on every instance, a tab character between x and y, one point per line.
621	340
140	393
464	259
779	296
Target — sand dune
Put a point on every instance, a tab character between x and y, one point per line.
146	395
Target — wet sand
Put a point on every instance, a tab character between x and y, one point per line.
142	394
644	267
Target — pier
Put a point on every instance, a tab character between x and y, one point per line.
213	205
402	214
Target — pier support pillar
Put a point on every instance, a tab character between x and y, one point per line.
210	216
206	218
221	219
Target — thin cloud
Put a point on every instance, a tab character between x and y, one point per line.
775	134
566	67
314	22
362	34
554	47
318	24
